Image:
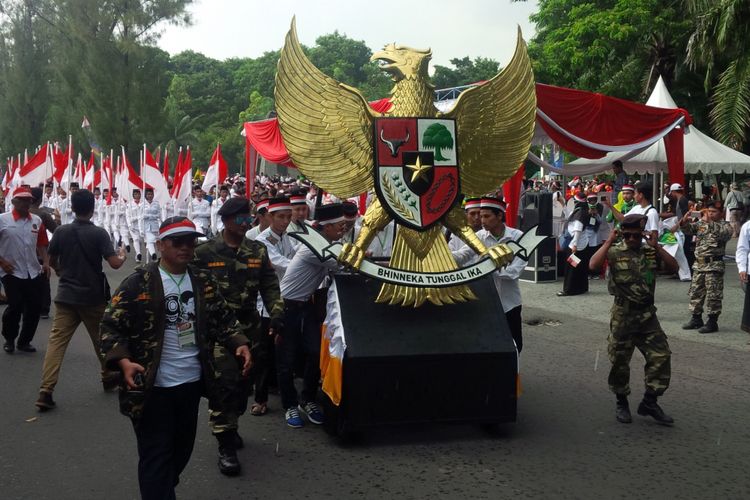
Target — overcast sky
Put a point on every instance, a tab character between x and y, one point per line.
236	28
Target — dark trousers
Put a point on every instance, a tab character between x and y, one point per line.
166	434
576	279
514	323
46	297
24	300
264	369
301	331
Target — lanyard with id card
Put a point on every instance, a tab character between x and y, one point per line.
185	329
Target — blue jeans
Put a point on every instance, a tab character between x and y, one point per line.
301	334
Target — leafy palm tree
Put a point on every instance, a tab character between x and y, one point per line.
721	43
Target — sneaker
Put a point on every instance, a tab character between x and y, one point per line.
313	412
45	401
138	258
293	419
154	257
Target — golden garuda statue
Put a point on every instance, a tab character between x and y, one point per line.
419	161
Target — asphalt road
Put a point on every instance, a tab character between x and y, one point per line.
565	444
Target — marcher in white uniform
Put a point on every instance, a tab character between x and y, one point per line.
151	222
48	199
98	218
134	218
118	221
216	224
300	213
264	220
462	254
279	244
200	211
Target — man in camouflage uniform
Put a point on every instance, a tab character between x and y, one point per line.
159	329
712	234
242	269
634	323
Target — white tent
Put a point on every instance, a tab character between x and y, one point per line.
701	152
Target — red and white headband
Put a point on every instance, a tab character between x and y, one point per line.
275	207
492	203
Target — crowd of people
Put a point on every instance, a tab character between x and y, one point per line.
228	304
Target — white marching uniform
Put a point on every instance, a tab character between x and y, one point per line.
200	214
65	209
151	221
118	222
280	253
216	223
135	223
99	210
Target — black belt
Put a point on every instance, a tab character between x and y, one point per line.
710	258
623	302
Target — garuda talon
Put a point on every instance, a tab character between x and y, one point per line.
418	160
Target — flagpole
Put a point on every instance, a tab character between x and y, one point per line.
70	159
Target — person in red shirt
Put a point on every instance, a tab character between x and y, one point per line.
23	245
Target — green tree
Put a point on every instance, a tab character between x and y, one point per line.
464	72
720	46
438	137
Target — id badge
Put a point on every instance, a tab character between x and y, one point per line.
186	334
592	221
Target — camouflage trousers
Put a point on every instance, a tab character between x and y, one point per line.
708	287
227	392
631	328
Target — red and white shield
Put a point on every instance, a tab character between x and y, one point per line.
416	169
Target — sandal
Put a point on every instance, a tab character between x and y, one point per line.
258	409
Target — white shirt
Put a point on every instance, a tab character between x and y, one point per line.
98	218
200	209
305	274
216	223
133	215
151	216
582	238
65	209
178	365
652	222
253	233
506	279
19	238
382	243
280	250
743	248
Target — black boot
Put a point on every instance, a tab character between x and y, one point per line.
622	412
695	322
711	326
229	464
649	407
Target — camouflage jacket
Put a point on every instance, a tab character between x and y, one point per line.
711	241
134	320
632	275
241	275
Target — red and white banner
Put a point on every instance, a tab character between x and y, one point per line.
154	178
217	171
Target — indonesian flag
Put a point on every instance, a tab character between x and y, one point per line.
183	181
127	179
332	348
38	169
154	178
177	170
13	167
89	174
165	167
217	170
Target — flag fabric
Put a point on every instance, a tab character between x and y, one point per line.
38	169
151	176
177	178
332	348
183	182
127	179
89	174
217	171
165	167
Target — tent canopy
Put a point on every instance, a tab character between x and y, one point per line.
702	154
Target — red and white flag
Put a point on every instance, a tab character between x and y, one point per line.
183	181
217	171
38	169
127	179
89	174
154	178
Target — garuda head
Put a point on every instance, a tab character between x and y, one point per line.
403	63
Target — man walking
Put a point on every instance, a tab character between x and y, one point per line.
632	281
707	286
76	252
159	329
243	271
23	244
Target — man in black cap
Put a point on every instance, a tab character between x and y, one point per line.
242	269
301	325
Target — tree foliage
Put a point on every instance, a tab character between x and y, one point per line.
465	71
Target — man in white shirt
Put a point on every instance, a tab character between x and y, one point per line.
279	244
261	214
643	195
200	211
98	218
151	217
134	218
741	257
48	200
216	223
493	233
460	250
23	243
301	325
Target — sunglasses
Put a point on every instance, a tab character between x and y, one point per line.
631	236
182	241
243	219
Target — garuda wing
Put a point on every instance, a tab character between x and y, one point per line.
495	123
326	125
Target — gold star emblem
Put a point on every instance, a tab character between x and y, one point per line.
420	171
